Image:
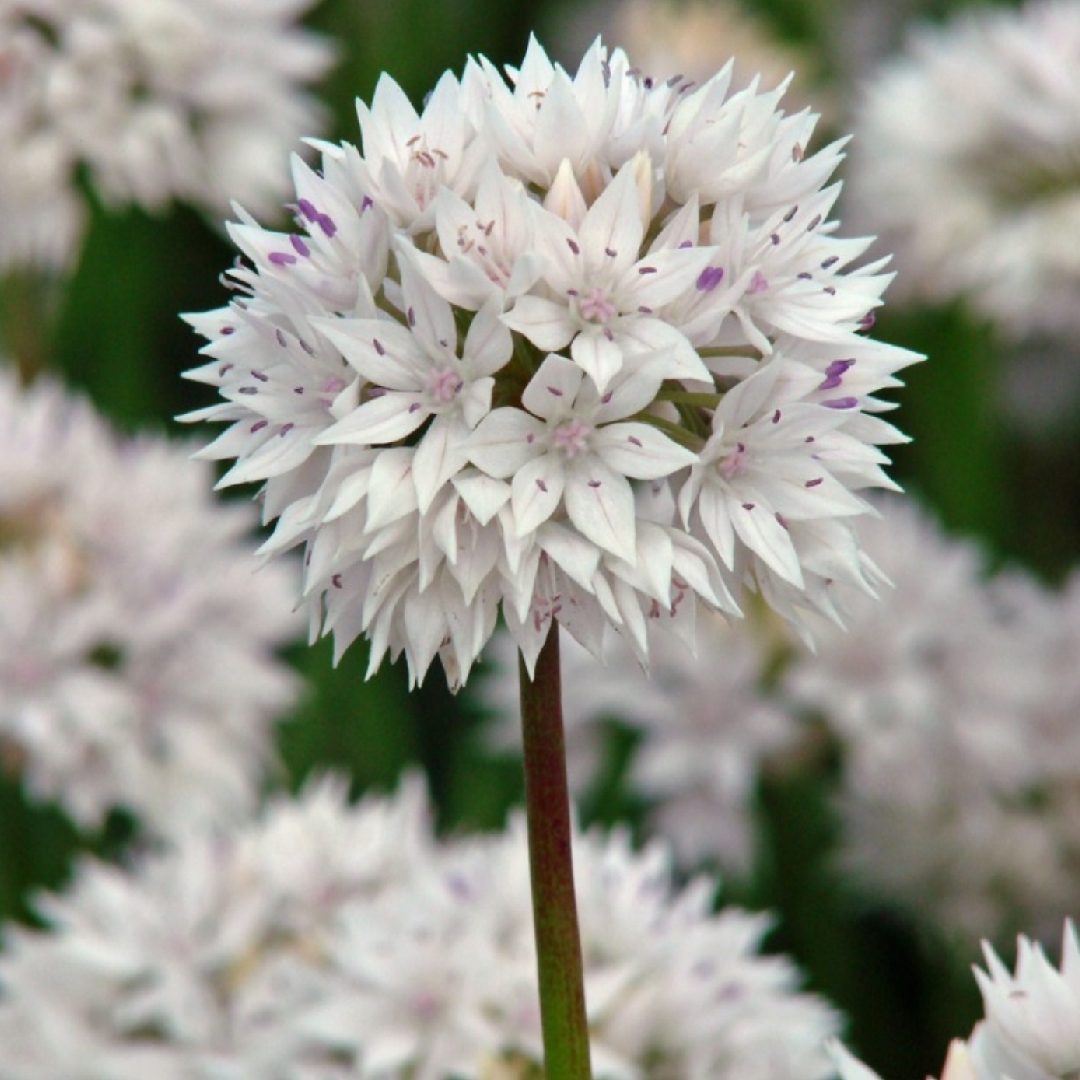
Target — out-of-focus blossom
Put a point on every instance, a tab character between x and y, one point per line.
577	348
958	1064
966	161
953	702
157	100
137	639
693	39
707	725
343	941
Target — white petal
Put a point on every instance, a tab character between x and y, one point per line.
384	420
613	225
640	451
576	556
537	488
546	324
553	389
759	530
600	503
598	356
439	454
427	313
500	444
381	350
392	494
488	344
483	495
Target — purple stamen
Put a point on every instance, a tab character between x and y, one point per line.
366	203
541	485
633	439
307	208
326	223
646	269
298	243
709	278
281	258
841	403
573	246
814	482
594	483
834	374
259	425
261	375
748	506
378	346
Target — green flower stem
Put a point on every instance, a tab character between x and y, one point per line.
547	804
673	430
27	315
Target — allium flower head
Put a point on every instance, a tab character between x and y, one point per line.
578	347
137	663
158	100
966	160
953	701
344	941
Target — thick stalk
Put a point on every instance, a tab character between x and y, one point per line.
547	803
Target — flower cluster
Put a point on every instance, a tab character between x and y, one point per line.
156	99
137	663
966	160
344	941
1032	1023
581	348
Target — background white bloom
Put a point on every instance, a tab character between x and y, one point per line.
966	162
159	100
506	313
344	941
949	699
137	634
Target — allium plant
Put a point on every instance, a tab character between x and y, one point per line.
156	100
966	161
137	637
578	349
344	942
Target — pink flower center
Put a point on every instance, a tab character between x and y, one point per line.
444	384
596	307
572	437
734	463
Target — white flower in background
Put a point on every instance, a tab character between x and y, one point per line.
343	941
966	163
953	700
706	723
158	100
1032	1025
506	313
669	37
1031	1030
137	638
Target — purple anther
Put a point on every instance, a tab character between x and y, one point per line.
298	390
813	483
378	346
776	417
605	398
281	258
335	580
307	208
248	390
834	374
415	407
790	214
366	203
594	483
411	316
709	278
803	276
530	438
259	425
327	224
610	252
832	260
748	506
282	340
541	484
841	403
573	245
286	428
646	270
299	245
226	367
260	375
226	330
686	244
830	290
781	520
774	239
555	390
867	321
633	439
643	310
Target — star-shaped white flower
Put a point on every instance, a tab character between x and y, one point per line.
605	295
415	373
570	448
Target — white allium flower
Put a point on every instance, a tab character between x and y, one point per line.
344	941
953	700
958	1064
158	100
510	311
137	663
966	161
706	724
1032	1025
